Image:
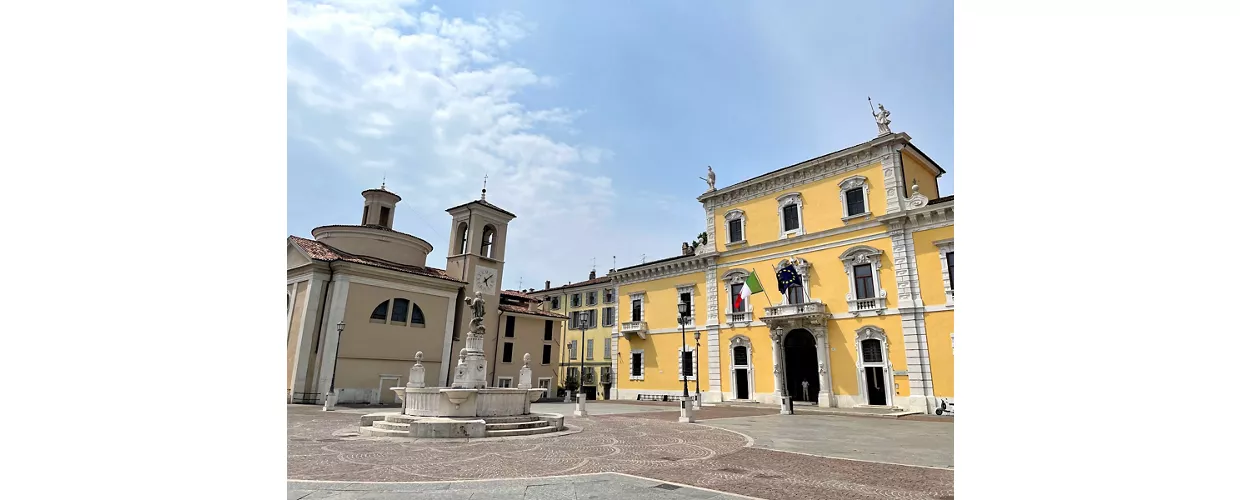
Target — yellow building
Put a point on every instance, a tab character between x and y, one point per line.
594	302
863	240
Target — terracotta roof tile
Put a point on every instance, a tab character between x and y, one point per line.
326	253
944	199
594	281
523	295
517	309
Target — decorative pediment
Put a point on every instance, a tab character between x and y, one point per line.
734	214
862	254
855	181
871	332
789	199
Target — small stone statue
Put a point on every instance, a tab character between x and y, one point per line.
710	178
526	359
882	118
478	305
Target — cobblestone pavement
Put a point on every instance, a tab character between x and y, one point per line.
604	486
322	446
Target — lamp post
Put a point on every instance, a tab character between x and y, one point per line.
329	401
783	360
581	376
684	367
697	380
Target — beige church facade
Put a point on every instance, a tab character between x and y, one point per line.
362	302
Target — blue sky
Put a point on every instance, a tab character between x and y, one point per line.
593	120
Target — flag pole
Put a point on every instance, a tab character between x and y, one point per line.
768	297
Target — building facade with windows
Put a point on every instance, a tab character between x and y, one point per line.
374	282
853	251
593	301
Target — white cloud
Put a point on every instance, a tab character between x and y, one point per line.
433	101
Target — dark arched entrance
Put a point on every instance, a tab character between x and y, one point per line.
801	365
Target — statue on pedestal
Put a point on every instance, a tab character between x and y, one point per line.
479	307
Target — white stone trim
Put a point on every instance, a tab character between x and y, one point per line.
312	275
306	332
404	287
807	250
850	183
862	255
733	277
734	214
642	371
806	172
873	332
679	266
445	360
712	296
744	342
713	362
788	200
680	357
639	298
946	246
538	385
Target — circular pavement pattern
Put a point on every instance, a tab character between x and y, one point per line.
325	446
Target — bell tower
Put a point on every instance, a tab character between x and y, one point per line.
380	207
476	248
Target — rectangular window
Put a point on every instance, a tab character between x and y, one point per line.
734	231
795	294
951	270
637	310
365	214
609	295
605	374
864	279
637	364
385	214
607	349
609	316
589	378
856	201
510	326
555	303
546	360
505	381
591	298
508	352
736	295
547	330
686	364
576	300
572	349
593	318
544	383
589	348
791	221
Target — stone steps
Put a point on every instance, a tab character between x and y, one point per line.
514	425
511	420
542	429
391	426
373	431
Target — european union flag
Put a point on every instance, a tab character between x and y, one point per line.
787	277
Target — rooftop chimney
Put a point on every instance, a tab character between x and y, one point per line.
591	274
547	285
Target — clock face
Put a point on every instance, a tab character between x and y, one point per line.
485	280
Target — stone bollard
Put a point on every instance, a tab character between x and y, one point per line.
329	402
581	406
686	411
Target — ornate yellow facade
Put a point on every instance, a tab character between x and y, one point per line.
867	235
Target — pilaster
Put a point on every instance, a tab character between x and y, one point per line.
893	182
331	345
826	392
912	317
713	360
315	288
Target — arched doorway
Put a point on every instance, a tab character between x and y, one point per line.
801	365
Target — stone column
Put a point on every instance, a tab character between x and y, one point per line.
331	345
912	318
306	332
826	392
776	354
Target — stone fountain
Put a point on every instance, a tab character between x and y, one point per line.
467	409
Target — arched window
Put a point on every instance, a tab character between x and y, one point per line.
380	312
415	315
400	310
488	241
463	231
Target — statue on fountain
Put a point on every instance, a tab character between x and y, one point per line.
479	307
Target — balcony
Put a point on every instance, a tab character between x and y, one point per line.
858	306
638	327
740	316
793	311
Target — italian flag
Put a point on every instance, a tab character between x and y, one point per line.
750	287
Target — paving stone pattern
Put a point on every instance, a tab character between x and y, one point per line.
324	446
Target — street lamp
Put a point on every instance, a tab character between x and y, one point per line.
783	360
697	381
684	367
329	401
581	376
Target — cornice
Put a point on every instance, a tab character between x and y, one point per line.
826	233
666	269
348	269
806	172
